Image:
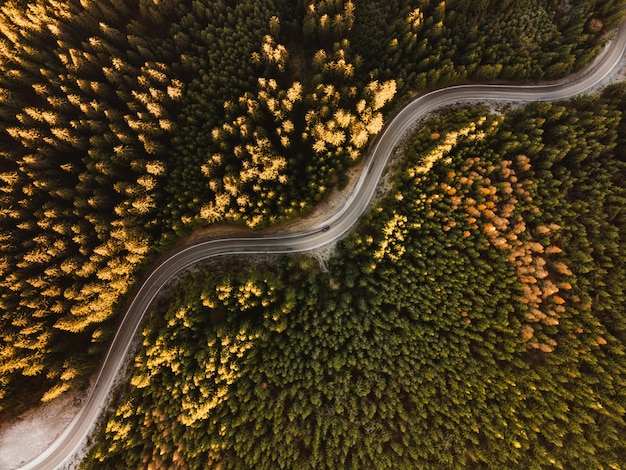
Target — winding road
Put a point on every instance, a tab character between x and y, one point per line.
60	453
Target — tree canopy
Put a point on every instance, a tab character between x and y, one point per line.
474	319
125	124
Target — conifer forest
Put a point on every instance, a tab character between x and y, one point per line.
474	318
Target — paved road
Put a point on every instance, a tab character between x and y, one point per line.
74	437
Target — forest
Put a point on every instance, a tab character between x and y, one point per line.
475	319
127	124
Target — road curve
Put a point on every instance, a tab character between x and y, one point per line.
69	443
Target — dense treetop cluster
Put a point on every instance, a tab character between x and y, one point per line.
85	114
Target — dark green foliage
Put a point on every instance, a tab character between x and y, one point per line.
525	40
260	139
215	41
345	45
425	344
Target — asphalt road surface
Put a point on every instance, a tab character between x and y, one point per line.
70	442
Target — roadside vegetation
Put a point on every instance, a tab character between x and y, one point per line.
474	320
127	124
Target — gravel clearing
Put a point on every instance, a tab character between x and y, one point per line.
29	434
